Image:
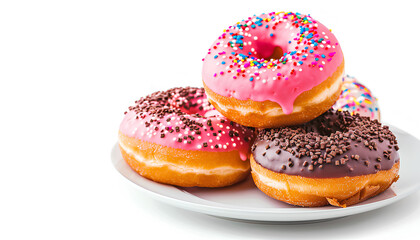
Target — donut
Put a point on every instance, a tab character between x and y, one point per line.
338	159
176	137
273	70
357	98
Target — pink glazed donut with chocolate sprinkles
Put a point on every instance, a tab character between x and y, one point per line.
276	69
176	137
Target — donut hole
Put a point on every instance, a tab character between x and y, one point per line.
268	51
193	103
277	53
328	125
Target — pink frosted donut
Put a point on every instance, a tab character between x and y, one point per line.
177	137
273	70
357	98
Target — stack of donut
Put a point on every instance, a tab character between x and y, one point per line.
276	103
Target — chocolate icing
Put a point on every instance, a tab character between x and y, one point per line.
336	144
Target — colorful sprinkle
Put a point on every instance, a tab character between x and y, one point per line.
357	98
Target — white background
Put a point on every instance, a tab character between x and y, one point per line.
69	69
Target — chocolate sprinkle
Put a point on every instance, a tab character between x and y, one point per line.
187	108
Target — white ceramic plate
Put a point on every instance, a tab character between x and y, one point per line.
245	202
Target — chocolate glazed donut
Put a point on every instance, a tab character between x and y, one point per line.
335	159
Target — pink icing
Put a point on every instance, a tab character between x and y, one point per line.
357	98
183	118
235	65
